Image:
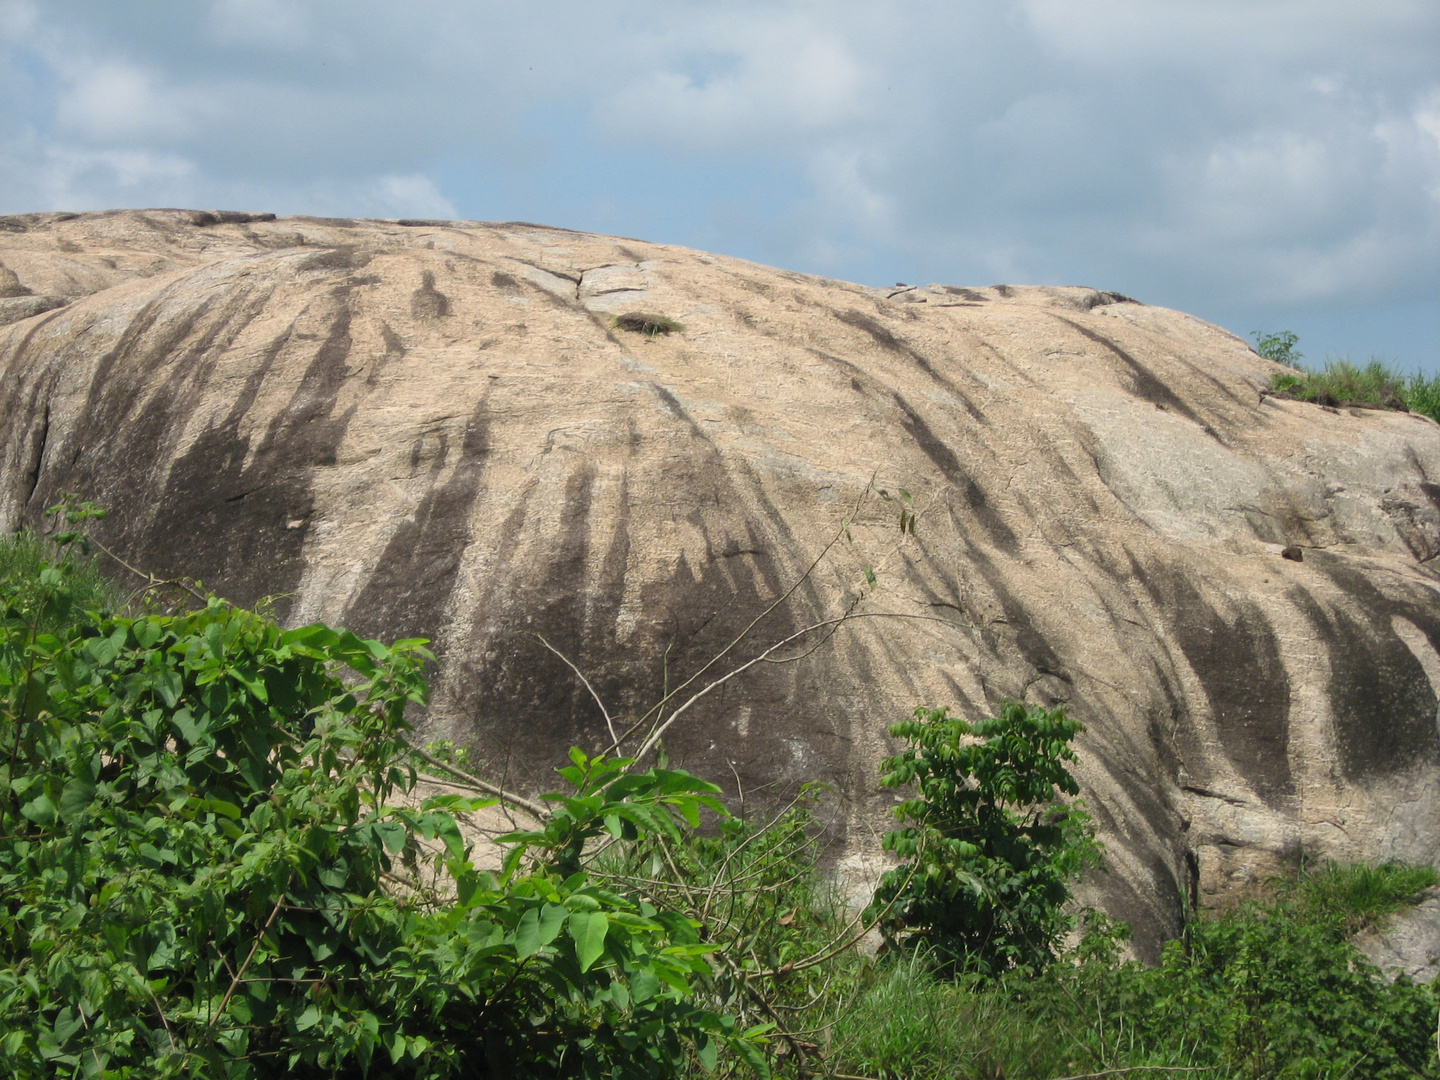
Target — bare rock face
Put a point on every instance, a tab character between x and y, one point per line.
436	429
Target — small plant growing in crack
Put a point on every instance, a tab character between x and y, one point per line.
641	322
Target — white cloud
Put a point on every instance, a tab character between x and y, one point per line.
785	78
1201	150
112	101
413	196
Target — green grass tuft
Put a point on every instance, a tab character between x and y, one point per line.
1374	385
24	555
1358	896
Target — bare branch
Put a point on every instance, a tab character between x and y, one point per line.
534	809
609	724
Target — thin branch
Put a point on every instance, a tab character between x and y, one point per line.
534	809
609	724
254	948
655	736
781	599
151	581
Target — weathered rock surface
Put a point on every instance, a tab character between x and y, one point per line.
433	429
1408	943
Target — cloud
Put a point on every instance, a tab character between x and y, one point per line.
406	196
1199	152
778	78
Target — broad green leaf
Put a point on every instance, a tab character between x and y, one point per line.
75	798
552	920
588	930
40	810
527	934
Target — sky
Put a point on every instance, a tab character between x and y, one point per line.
1264	164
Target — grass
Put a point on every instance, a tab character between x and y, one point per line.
651	325
22	558
1274	989
1360	896
1374	385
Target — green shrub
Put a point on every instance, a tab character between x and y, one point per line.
1273	990
77	587
1356	895
1279	346
1373	385
991	850
203	873
1343	383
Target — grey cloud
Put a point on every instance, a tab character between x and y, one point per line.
1205	151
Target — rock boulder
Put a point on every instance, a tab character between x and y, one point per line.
436	429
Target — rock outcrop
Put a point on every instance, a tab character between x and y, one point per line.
435	429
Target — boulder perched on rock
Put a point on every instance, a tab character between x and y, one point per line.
967	495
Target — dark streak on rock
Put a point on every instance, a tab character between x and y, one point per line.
945	460
1235	656
428	302
886	339
409	592
1383	705
1144	383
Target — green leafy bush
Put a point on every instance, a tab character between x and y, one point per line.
991	850
1273	990
1279	346
210	865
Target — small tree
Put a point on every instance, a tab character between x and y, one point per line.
1279	346
991	850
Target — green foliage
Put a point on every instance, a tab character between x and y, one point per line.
77	586
782	943
1422	394
1274	990
1358	896
1279	346
991	851
210	865
1343	383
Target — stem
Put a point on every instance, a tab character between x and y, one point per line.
254	948
534	809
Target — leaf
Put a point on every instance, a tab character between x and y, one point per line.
75	799
589	932
392	835
40	810
552	920
307	1019
147	632
706	1053
870	576
527	934
754	1058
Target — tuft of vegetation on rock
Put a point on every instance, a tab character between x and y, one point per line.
1341	383
649	324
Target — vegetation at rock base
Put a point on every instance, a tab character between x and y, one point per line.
215	862
992	847
208	867
1373	385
